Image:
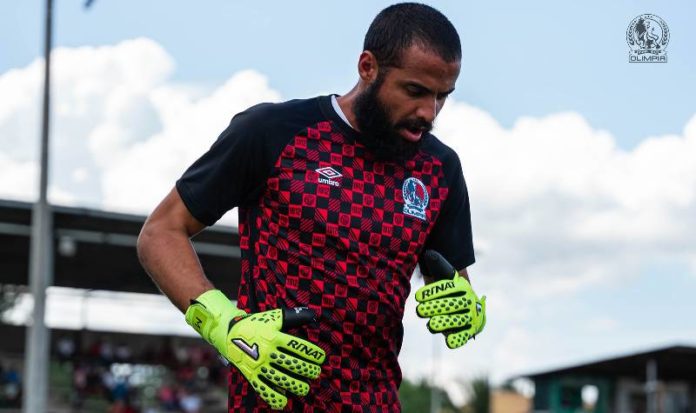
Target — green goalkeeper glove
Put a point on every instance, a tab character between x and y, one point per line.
272	361
450	303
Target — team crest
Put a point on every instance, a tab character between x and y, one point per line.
647	36
415	198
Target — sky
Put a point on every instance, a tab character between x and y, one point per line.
580	165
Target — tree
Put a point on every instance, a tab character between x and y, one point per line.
509	386
479	395
415	398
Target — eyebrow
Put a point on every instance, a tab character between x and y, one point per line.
425	89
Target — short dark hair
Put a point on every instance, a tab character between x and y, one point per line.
399	26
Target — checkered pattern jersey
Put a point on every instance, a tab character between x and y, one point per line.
343	241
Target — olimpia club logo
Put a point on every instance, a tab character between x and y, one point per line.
415	198
647	36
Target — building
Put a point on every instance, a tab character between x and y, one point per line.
504	401
656	381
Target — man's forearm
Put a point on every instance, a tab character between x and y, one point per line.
171	261
463	272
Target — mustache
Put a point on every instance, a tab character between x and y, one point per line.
419	124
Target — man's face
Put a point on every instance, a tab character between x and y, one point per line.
401	104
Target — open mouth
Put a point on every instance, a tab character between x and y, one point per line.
412	134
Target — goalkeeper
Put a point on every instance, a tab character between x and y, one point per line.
339	199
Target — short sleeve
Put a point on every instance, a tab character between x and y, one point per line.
231	173
451	235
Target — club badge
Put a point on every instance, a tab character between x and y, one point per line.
415	198
647	36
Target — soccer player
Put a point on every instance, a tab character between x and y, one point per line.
339	199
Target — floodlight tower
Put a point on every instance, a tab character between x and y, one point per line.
36	350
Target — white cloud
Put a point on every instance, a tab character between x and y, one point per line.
514	351
17	177
122	132
148	169
558	206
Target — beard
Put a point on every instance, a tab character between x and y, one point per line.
378	132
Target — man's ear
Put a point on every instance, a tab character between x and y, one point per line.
368	68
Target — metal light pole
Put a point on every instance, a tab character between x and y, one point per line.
651	385
435	402
35	387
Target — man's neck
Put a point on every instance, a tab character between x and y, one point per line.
346	103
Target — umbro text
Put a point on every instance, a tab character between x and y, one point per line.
328	182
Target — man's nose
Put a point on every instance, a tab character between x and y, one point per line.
427	110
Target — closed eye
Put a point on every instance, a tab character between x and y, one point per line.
416	90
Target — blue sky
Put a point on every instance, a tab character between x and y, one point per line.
579	164
530	58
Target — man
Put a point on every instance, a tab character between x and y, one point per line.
339	198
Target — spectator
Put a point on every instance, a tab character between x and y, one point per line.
109	383
167	398
80	373
122	406
121	390
95	349
66	349
182	355
12	388
190	402
106	354
123	353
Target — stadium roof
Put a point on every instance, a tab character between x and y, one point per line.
674	362
96	250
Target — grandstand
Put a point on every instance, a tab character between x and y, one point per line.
96	370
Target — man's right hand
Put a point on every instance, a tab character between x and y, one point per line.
257	345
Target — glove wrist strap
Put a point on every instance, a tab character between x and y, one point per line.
210	314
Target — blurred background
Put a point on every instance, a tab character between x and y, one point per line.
580	168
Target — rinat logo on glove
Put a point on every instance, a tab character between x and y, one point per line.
437	289
315	354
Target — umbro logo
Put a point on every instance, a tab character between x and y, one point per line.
328	174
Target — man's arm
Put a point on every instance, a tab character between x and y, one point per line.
462	272
167	255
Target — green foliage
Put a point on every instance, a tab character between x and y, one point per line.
415	398
479	396
509	386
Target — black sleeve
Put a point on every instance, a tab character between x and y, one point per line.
231	173
451	235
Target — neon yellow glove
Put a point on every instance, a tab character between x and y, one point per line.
450	303
272	361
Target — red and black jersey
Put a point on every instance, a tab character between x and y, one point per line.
326	225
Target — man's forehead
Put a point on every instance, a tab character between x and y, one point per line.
420	63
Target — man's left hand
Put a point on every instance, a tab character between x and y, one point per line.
452	307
